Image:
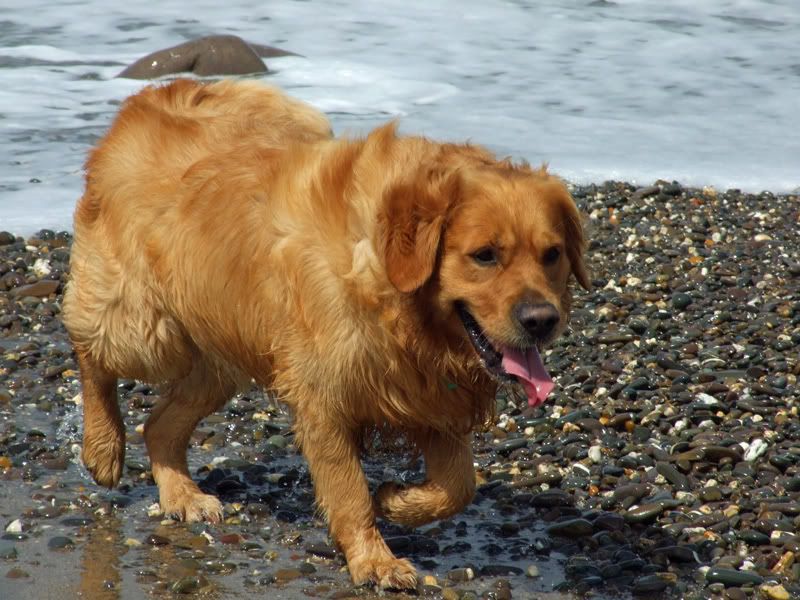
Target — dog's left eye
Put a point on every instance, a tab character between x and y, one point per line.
485	257
551	255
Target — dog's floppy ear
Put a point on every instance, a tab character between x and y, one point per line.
575	241
413	219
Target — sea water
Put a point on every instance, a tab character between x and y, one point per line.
705	93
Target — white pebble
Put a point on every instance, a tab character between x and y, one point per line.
595	454
41	267
14	527
707	399
681	424
757	448
581	467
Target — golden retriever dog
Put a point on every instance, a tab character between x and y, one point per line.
389	281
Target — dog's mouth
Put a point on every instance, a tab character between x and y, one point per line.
506	363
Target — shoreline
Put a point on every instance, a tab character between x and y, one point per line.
65	226
667	461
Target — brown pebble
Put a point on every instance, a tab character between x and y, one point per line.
40	289
17	573
286	575
231	538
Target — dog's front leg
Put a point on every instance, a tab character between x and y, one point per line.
449	483
342	493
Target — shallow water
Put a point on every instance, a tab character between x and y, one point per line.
705	93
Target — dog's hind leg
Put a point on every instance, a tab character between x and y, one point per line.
103	429
167	431
448	487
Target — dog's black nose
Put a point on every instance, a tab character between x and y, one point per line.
539	319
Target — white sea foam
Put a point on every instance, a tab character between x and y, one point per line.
704	93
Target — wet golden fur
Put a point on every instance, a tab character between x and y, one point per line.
225	236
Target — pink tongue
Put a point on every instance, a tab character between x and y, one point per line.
527	367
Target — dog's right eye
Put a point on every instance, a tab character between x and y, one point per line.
485	257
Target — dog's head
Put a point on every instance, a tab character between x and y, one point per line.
491	246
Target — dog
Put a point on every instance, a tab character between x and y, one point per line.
388	281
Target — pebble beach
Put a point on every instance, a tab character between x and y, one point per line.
666	463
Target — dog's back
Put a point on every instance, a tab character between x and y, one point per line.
135	179
161	131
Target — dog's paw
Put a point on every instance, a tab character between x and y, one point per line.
191	505
103	456
396	573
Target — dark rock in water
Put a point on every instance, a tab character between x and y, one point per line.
554	497
8	552
507	446
257	509
206	56
77	521
60	543
681	301
156	540
753	537
322	550
645	512
460	575
651	584
189	584
6	238
732	577
499	570
643	192
672	189
509	529
710	494
571	528
677	553
609	522
671	474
